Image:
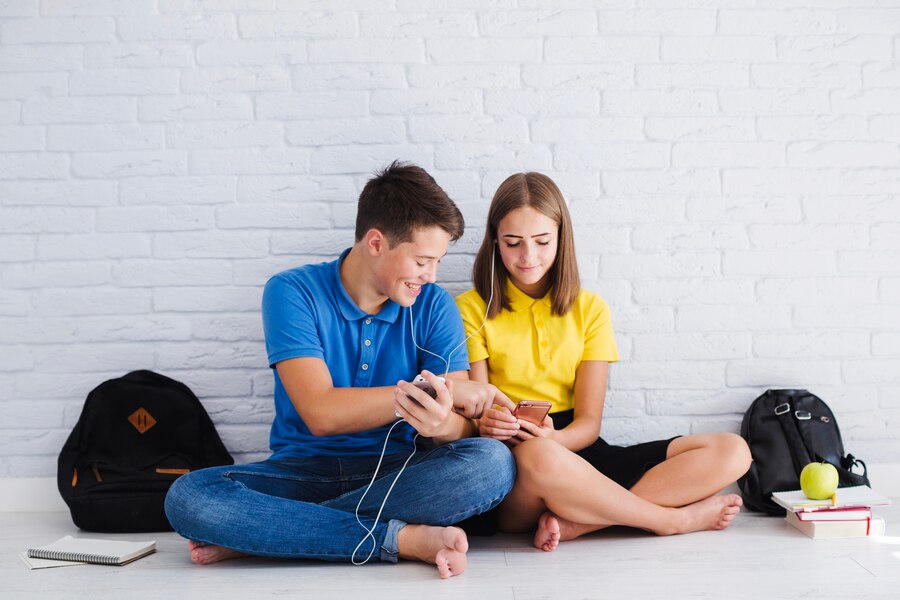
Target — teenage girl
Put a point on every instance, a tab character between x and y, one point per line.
545	338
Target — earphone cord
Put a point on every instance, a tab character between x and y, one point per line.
412	331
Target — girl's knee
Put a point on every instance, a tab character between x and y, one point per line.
537	457
734	452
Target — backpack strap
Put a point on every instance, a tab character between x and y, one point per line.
799	453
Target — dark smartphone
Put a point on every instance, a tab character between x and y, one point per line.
533	411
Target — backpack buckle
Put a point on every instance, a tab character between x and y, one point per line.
782	408
803	415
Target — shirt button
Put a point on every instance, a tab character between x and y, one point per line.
365	367
540	323
368	342
544	344
368	321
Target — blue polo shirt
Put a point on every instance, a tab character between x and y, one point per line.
307	312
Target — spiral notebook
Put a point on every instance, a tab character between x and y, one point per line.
98	552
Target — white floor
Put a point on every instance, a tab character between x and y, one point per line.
758	557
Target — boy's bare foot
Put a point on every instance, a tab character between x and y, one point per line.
546	537
715	512
206	554
444	547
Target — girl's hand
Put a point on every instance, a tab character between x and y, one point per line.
499	424
528	430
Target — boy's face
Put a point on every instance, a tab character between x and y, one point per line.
401	270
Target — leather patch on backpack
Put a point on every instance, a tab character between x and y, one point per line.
142	420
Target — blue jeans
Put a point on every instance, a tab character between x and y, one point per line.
305	507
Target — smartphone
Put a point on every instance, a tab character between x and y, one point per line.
533	411
422	383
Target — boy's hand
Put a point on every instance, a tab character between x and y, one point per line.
427	415
472	398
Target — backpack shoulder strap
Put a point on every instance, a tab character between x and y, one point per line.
800	454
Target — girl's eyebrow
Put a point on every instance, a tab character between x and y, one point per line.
519	237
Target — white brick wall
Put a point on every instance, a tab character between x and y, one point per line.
733	169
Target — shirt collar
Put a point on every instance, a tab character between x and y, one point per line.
519	300
349	310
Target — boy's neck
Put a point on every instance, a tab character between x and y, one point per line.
358	280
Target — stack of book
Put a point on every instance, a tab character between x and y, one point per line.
847	514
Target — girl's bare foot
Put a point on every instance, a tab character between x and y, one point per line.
444	547
546	537
206	554
715	512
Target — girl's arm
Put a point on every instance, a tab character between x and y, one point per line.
590	393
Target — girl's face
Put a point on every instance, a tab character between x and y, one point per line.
528	242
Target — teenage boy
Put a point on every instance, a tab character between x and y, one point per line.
343	339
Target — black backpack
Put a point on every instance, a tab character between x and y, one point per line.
786	430
135	436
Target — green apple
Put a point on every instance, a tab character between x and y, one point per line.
819	480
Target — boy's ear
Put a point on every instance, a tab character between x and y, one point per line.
375	242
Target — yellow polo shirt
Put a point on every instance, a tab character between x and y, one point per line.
532	353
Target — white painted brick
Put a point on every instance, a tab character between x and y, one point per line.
26	58
17	138
889	289
227	328
630	431
15	358
67	8
502	77
869	181
659	102
661	265
210	107
778	22
732	318
626	209
484	129
256	272
33	166
349	77
717	48
177	190
329	160
881	75
783	372
129	164
586	129
417	24
311	105
155	218
26	85
247	438
885	344
594	76
93	357
602	49
863	316
694	75
311	243
197	26
868	20
296	188
721	129
211	244
10	112
241	411
213	382
17	248
577	187
803	75
138	55
31	442
624	404
779	181
224	134
814	290
843	154
886	236
365	130
619	155
301	25
698	402
426	102
207	299
520	22
775	101
833	48
250	161
399	50
14	304
817	127
233	53
78	110
669	181
688	237
46	274
211	355
92	246
19	8
821	236
680	292
821	344
885	127
65	31
889	397
670	374
45	220
775	263
640	21
180	6
728	154
600	240
140	328
459	51
102	137
691	346
528	103
90	301
253	78
843	398
20	330
882	261
872	101
106	82
877	371
300	215
180	272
